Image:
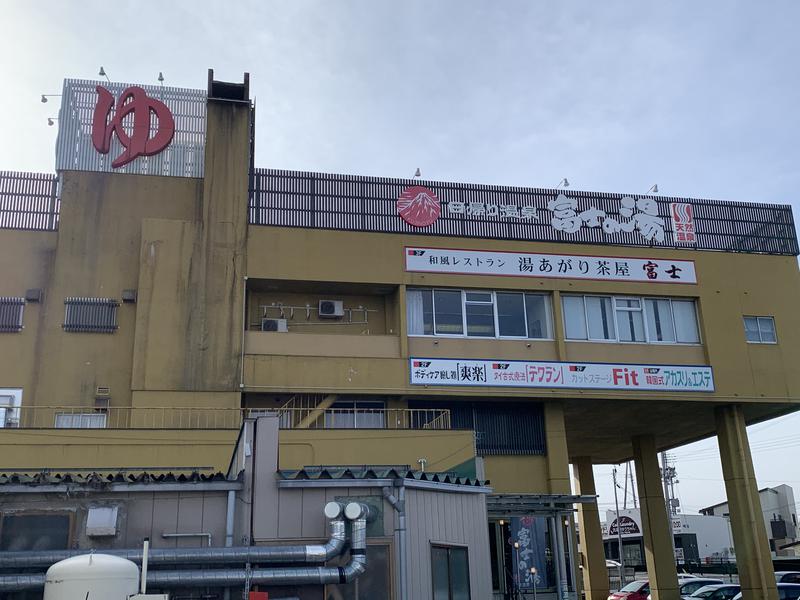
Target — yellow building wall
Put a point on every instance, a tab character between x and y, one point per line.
109	450
442	450
730	285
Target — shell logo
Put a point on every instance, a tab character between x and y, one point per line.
418	206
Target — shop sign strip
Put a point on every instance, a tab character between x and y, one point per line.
560	375
555	266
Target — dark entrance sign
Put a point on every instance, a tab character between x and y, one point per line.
625	526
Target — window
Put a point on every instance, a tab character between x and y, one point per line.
450	573
11	314
90	315
633	319
474	313
356	415
37	531
80	420
448	315
760	330
630	322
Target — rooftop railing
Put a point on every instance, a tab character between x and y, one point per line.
29	201
74	417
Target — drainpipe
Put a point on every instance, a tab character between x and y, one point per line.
231	506
356	512
399	504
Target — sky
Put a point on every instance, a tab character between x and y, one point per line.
698	97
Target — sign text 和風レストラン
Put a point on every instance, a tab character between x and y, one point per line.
561	266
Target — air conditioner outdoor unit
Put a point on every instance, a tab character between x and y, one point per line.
274	325
331	309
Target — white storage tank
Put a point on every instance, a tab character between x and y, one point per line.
92	577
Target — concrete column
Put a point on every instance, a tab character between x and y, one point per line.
656	527
753	558
557	455
595	573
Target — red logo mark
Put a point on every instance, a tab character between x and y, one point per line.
418	206
683	222
133	100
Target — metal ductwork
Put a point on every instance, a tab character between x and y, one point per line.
309	554
355	511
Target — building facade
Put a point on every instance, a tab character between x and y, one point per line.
779	512
160	288
697	538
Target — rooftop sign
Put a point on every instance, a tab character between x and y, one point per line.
376	204
123	128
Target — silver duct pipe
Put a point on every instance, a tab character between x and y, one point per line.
237	577
310	553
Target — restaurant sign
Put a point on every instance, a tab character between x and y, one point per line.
559	266
566	375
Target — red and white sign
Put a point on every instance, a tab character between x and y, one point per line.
418	206
682	215
139	141
559	266
568	375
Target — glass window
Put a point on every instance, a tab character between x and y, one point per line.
600	318
480	314
35	532
80	420
356	415
659	320
766	327
450	573
574	317
760	330
511	314
447	309
537	310
630	322
685	317
419	306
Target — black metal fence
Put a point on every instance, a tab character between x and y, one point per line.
355	203
29	201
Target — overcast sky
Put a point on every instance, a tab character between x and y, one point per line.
699	97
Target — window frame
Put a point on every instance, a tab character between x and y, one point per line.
448	547
329	415
644	312
497	336
758	319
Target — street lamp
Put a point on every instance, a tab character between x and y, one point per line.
533	572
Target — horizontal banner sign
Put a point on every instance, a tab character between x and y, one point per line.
564	266
569	375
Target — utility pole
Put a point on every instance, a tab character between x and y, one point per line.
619	533
625	490
633	488
668	475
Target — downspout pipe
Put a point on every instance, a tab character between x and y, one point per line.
399	505
192	578
309	554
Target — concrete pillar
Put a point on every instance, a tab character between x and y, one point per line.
656	527
595	573
557	455
753	558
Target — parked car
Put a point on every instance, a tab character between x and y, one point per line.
689	585
682	576
787	576
724	591
635	590
786	591
612	564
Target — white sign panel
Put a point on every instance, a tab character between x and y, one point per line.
560	266
569	375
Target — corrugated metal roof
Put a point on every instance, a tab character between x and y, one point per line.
95	479
375	472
